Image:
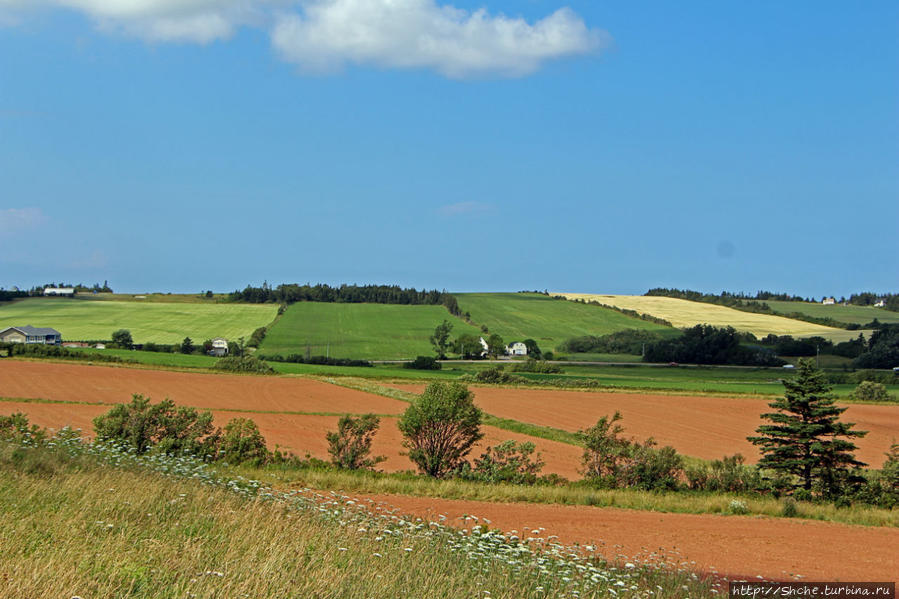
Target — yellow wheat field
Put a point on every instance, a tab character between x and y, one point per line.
684	313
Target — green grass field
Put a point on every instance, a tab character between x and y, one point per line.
519	316
360	331
847	314
148	322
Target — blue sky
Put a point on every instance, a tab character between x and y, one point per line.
582	146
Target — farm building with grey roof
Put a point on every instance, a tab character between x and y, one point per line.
30	334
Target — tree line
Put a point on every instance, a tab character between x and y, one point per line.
289	293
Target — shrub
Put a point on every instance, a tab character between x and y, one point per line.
350	446
497	375
440	428
165	427
508	462
789	508
250	364
541	366
869	391
257	336
738	507
423	363
242	442
727	475
614	462
16	428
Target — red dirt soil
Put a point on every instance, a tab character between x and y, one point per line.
732	546
106	384
301	434
705	427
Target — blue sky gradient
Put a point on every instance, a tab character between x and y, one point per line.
705	145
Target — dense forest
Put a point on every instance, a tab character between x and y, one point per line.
289	293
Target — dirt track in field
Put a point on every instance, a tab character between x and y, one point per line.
733	546
705	427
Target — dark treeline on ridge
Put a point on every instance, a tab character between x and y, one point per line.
289	293
739	300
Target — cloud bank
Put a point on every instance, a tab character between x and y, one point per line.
20	220
323	36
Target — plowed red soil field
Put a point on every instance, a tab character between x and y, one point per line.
705	427
733	546
107	384
226	396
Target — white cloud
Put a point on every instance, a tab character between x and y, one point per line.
324	35
464	208
199	21
14	220
422	34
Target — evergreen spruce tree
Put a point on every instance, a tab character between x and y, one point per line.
806	438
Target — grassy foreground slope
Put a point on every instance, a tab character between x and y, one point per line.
73	527
685	313
361	331
518	316
150	322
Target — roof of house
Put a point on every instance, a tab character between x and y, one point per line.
34	331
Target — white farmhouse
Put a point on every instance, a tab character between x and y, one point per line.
828	301
517	348
64	291
879	304
219	347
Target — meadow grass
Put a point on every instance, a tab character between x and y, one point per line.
358	331
519	316
849	314
155	322
73	527
685	313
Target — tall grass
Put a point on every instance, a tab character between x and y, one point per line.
98	523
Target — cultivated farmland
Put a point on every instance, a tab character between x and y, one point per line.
684	313
519	316
849	314
148	322
367	331
703	427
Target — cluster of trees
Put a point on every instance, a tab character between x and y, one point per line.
289	293
628	341
891	300
724	296
705	344
11	294
321	360
882	349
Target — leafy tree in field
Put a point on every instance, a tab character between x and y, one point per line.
468	346
533	349
350	445
166	427
440	428
806	438
508	462
242	442
122	338
187	346
871	391
440	339
424	363
495	345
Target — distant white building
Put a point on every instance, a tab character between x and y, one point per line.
517	348
65	291
828	301
219	347
879	304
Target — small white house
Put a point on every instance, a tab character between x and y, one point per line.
517	348
64	291
219	347
879	304
828	301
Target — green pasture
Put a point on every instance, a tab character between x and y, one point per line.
848	314
155	322
519	316
359	331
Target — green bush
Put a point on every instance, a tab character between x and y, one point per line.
424	363
497	375
16	428
508	462
350	445
532	365
164	427
241	442
869	391
727	475
249	364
